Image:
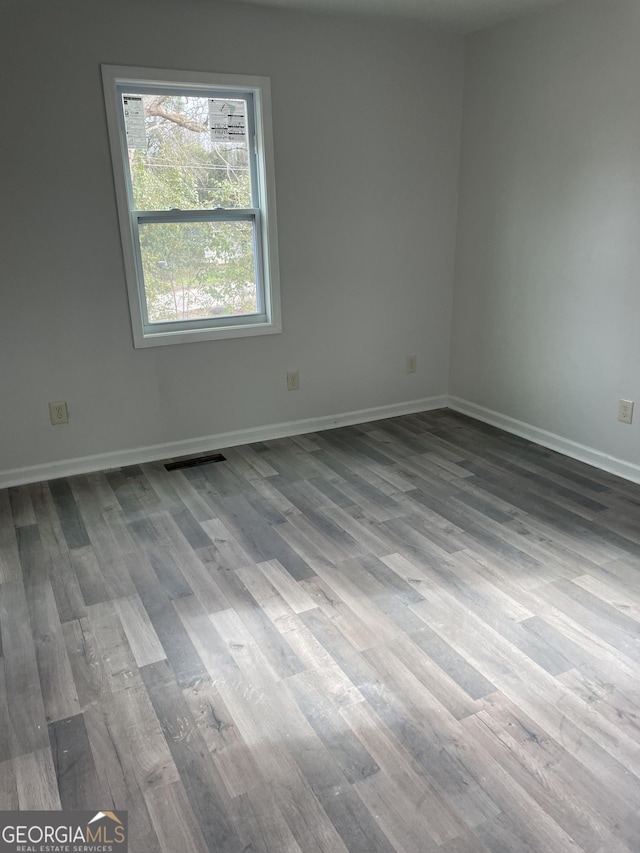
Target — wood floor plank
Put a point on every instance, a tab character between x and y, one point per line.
256	461
323	775
561	713
5	720
331	540
66	588
89	675
256	536
500	833
176	490
435	676
74	764
418	800
327	491
8	787
168	626
21	506
177	644
372	683
506	731
93	586
176	825
619	632
291	592
206	640
346	591
104	500
576	640
115	656
317	706
56	680
418	532
26	714
280	656
244	649
113	735
225	551
377	504
309	651
287	458
594	597
539	503
71	522
380	595
359	633
312	551
36	782
360	470
564	544
143	640
260	722
615	700
361	528
419	719
517	535
201	580
621	575
168	570
531	465
231	755
136	725
496	614
200	777
261	825
9	561
467	843
264	593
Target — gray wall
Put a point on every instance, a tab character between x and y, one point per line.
367	131
366	126
547	299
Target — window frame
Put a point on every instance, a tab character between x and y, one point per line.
117	79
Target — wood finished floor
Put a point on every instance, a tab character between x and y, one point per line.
419	634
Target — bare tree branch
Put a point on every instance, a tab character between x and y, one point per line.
155	108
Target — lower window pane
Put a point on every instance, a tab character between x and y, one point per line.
198	270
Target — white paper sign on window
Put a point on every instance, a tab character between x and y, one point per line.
227	120
134	121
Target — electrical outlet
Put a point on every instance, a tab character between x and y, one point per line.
625	411
293	380
412	363
58	413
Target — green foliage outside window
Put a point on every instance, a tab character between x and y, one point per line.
196	269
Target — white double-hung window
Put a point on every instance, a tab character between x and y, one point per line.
193	168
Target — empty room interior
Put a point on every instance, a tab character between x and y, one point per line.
387	598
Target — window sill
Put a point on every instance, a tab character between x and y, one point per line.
182	336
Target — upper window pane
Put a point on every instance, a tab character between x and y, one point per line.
187	152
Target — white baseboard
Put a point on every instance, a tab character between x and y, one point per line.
170	450
627	470
151	453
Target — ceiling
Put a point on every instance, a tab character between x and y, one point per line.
462	16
